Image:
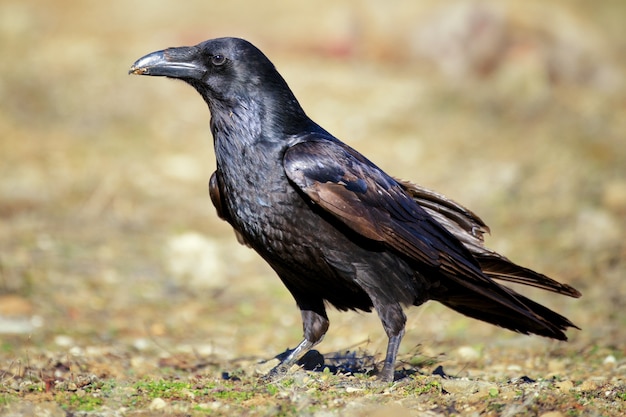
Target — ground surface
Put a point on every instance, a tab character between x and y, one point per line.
121	293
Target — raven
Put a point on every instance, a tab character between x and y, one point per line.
336	228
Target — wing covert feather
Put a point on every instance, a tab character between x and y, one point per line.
376	206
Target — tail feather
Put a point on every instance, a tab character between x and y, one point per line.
538	320
500	268
487	300
469	229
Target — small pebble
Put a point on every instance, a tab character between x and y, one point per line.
157	404
553	414
96	351
15	325
564	386
388	410
76	351
215	405
468	353
137	362
610	360
63	340
587	385
465	386
141	343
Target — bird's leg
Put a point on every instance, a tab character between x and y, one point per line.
393	320
387	374
315	324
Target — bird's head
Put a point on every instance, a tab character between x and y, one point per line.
227	72
218	65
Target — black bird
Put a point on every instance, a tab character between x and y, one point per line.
336	228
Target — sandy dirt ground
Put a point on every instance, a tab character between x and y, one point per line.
122	293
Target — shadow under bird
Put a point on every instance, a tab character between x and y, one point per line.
336	228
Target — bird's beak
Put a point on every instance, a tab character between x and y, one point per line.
172	62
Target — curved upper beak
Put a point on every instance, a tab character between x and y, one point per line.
172	62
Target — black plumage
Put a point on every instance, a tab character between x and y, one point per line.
336	228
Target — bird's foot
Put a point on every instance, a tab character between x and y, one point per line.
387	374
312	360
276	373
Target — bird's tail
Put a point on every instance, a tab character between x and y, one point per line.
498	267
482	297
534	318
469	229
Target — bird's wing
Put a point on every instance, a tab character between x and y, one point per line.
216	192
458	220
344	183
347	185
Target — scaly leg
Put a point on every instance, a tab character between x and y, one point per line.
393	320
315	324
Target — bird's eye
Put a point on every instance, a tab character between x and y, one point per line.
218	59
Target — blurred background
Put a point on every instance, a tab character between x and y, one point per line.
107	234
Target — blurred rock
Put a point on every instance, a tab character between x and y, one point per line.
157	404
196	260
76	351
63	340
553	414
16	325
467	353
564	386
212	406
389	410
591	384
142	343
465	386
610	361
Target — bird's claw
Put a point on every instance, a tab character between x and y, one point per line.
276	373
